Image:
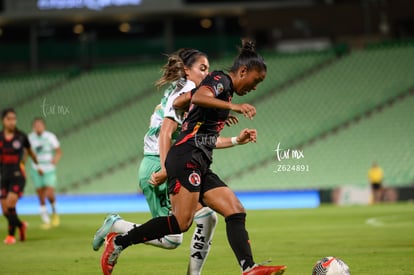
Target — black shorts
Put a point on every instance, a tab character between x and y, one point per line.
188	167
376	186
13	184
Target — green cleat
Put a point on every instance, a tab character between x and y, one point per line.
104	230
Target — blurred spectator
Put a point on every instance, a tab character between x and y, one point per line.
376	176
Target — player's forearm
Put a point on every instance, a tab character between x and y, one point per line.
164	147
168	127
203	100
182	101
58	155
224	142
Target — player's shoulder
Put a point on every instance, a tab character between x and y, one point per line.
218	82
184	87
49	135
188	86
31	135
20	133
220	77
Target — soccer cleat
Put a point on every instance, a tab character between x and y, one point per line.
22	231
266	270
10	240
55	220
111	254
104	230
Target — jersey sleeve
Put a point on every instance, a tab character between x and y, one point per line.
216	82
169	110
54	141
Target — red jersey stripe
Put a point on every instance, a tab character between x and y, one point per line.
190	135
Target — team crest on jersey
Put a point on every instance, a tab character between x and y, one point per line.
16	144
194	179
219	88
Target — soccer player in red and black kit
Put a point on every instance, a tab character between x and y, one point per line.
190	179
13	144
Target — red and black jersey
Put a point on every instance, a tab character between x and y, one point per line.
11	152
202	126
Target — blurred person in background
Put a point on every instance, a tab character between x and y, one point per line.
184	70
14	144
47	148
375	177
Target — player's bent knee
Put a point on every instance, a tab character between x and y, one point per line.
173	241
240	209
185	225
237	207
184	221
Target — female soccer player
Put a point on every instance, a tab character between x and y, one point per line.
190	179
13	144
48	153
184	71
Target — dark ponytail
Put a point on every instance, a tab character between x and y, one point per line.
248	57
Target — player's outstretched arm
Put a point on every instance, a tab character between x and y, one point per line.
205	98
245	136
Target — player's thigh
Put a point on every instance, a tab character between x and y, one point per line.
184	204
217	195
156	196
38	180
185	169
11	199
50	179
16	189
148	166
223	201
157	199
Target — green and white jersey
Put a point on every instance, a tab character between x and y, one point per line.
165	109
44	146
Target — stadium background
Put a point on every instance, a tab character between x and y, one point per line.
339	89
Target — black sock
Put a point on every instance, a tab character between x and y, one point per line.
151	230
13	215
11	229
239	239
13	220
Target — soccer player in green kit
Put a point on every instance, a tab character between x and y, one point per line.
184	71
47	148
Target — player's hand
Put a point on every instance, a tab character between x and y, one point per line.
246	136
40	171
54	161
158	178
231	120
246	109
